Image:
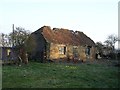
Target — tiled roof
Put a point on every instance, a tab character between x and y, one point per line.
65	36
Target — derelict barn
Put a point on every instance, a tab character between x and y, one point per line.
56	44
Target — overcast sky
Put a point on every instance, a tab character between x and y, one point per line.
96	18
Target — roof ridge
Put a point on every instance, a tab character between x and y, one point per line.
65	36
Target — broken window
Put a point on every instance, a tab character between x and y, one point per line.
62	50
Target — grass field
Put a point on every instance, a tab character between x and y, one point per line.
97	74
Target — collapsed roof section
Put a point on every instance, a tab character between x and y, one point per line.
65	36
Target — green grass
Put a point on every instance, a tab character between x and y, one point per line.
60	75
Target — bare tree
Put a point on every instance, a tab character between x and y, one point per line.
4	41
111	40
19	36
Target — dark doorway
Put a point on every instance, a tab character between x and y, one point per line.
88	49
64	50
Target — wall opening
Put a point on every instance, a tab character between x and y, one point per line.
62	50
